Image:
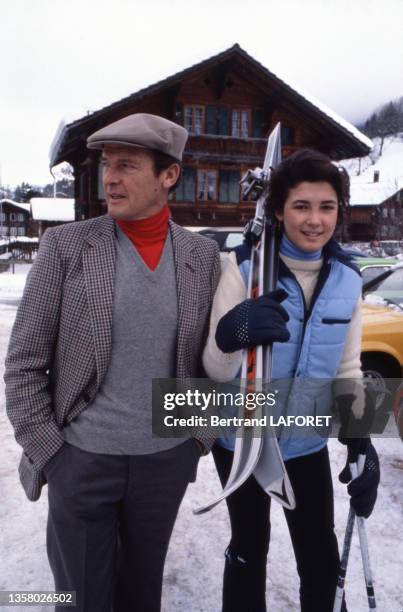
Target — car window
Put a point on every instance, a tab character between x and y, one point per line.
372	272
393	282
233	240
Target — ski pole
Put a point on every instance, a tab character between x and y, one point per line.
356	468
362	534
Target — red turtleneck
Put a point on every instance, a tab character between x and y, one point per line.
148	235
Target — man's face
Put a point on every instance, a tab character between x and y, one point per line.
310	215
132	189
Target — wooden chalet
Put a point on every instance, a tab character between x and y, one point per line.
376	210
14	218
50	212
229	103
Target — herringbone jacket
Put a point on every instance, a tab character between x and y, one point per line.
61	341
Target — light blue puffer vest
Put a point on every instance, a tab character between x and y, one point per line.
315	348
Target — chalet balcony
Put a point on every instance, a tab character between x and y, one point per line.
212	213
226	149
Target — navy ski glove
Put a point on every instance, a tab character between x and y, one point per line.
254	322
354	433
363	490
352	425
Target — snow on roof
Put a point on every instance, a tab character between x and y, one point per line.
64	127
52	209
370	193
389	165
26	207
331	114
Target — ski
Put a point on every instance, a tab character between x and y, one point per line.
256	454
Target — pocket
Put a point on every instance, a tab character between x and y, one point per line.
197	447
52	465
336	321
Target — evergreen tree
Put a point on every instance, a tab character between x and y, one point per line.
386	121
24	191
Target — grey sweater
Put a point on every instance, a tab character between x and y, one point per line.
144	334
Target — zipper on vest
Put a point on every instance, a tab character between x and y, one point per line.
323	276
304	323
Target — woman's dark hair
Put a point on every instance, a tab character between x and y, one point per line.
161	162
312	167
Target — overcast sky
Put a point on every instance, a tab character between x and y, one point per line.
62	58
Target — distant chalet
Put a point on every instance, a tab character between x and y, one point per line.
229	103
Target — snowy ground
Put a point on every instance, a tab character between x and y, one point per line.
195	560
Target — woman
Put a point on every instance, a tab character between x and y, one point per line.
314	320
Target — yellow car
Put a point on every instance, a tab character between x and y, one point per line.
382	358
382	341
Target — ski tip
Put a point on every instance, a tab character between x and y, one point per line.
285	498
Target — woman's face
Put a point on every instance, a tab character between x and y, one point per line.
310	215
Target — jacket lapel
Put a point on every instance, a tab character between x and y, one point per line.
187	275
99	273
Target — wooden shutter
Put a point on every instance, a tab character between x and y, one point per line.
233	186
211	120
185	191
287	135
179	113
223	121
190	185
257	124
224	180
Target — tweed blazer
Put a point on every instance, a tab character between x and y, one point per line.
61	342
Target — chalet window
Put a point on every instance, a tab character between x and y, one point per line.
186	189
100	183
240	123
229	186
257	124
13	231
217	119
207	185
287	135
2	216
21	231
13	216
385	213
20	216
194	119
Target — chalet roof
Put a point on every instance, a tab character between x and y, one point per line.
52	209
372	194
69	137
21	205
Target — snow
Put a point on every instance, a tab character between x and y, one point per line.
24	239
193	571
389	165
349	127
52	209
12	285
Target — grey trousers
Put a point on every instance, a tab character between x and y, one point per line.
109	524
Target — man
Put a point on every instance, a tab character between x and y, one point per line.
110	304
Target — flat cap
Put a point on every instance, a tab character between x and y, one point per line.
145	131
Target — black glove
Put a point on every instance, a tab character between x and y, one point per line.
254	322
363	489
354	426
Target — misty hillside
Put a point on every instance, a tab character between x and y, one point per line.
379	174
